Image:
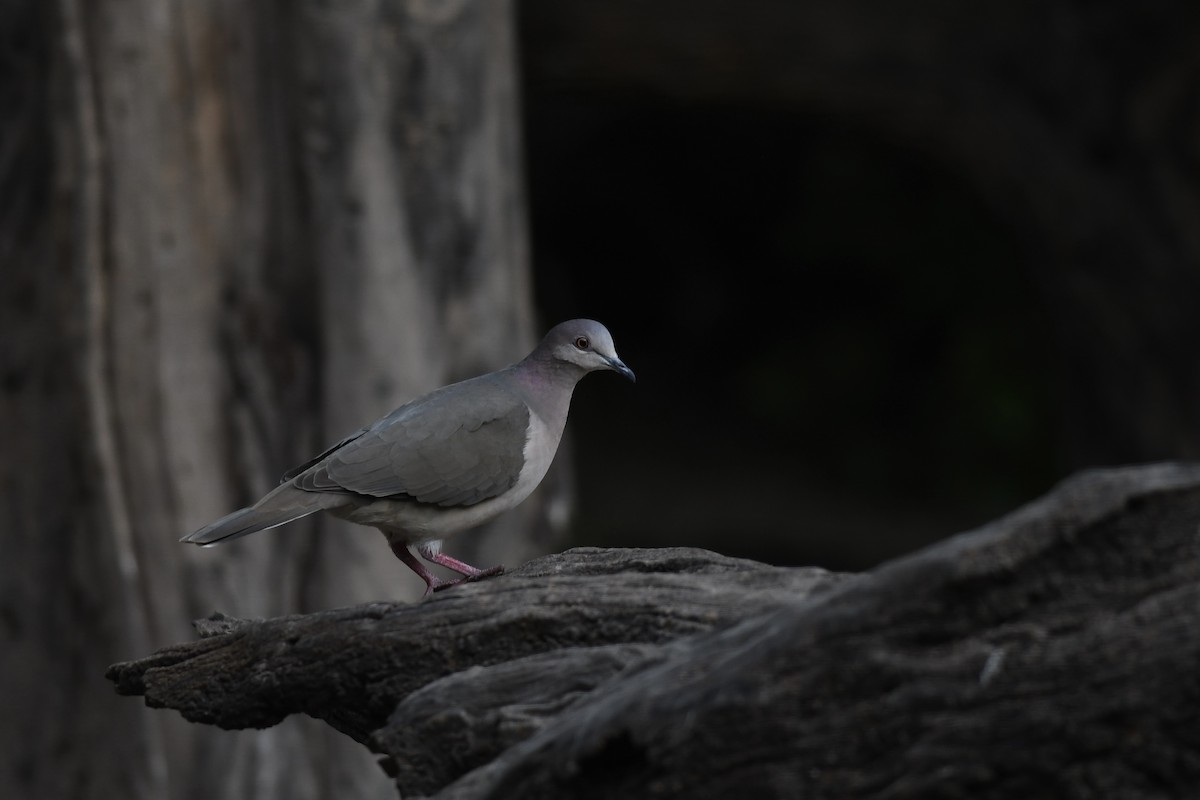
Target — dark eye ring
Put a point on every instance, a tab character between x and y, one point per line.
582	343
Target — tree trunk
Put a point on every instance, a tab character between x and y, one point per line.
245	229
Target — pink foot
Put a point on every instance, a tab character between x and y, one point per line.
432	582
477	575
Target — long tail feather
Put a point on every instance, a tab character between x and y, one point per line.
277	508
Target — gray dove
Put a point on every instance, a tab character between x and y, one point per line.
445	462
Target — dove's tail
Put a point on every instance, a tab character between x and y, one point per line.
281	506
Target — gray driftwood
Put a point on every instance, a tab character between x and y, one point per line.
1053	653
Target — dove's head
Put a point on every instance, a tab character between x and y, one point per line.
583	343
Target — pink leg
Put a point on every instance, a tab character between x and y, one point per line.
432	582
468	572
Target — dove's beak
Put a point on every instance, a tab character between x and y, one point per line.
617	365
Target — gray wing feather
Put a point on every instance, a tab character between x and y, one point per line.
455	447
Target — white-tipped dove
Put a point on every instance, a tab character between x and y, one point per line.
445	462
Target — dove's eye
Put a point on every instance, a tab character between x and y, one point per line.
582	343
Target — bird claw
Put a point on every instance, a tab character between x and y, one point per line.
477	575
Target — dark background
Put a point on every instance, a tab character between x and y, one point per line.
884	273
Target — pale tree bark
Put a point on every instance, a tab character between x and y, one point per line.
409	120
250	228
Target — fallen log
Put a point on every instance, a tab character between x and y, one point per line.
1052	653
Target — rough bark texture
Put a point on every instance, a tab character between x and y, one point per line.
1049	654
222	251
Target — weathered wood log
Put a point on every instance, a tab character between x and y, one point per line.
1051	653
560	623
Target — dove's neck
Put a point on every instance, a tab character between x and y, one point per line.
547	386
